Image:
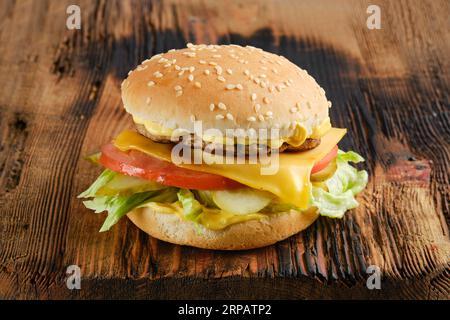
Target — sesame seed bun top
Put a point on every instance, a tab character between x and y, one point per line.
225	87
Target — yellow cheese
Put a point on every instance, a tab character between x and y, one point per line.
210	218
291	183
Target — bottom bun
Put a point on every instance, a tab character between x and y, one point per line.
240	236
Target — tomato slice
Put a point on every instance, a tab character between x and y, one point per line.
325	160
137	164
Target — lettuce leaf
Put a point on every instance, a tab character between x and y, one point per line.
105	177
191	207
118	206
342	187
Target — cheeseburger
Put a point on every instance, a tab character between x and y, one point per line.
232	149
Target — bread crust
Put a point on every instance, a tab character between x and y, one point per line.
240	236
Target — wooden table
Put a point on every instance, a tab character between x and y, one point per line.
60	100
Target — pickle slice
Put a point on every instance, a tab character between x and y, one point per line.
241	201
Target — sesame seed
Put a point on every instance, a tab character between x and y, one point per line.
251	119
217	56
177	88
261	117
262	76
191	77
180	73
197	84
155	57
264	68
189	54
212	63
239	86
202	62
177	67
230	116
253	97
269	113
262	84
329	104
230	86
192	117
241	61
212	106
279	62
140	68
162	60
229	71
218	70
266	100
178	93
158	74
150	83
271	88
219	117
221	106
129	72
173	61
293	110
298	105
256	80
308	104
206	72
167	65
191	69
221	79
190	45
287	83
246	72
257	107
148	100
274	70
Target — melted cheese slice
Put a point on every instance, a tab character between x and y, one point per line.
291	183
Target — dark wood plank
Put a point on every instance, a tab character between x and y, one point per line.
61	100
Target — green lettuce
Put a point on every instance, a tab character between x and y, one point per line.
105	177
118	206
346	182
191	207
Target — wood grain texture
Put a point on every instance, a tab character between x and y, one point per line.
60	100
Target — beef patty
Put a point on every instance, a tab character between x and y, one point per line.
285	147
